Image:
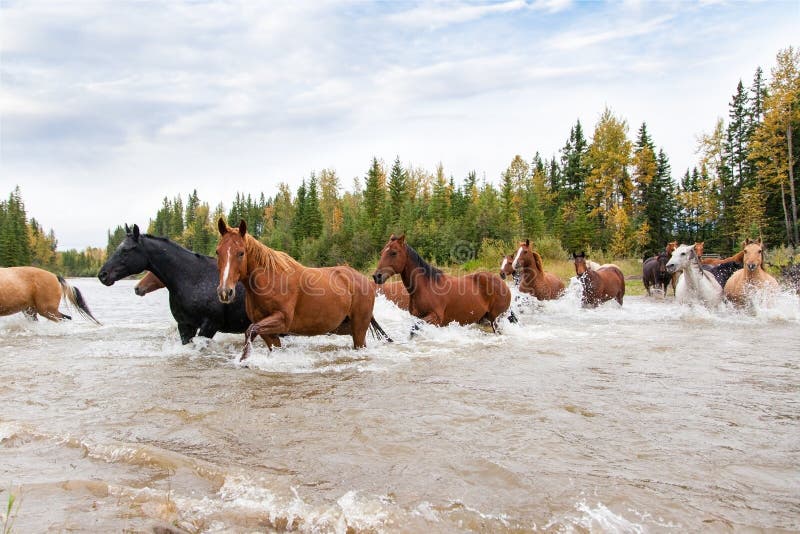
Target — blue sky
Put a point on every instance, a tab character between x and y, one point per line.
107	107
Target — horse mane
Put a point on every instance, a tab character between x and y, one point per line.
427	269
268	258
170	241
537	259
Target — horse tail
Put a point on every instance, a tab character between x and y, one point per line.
74	297
377	331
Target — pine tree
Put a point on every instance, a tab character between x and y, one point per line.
313	214
397	191
739	134
574	166
300	220
114	239
374	200
15	246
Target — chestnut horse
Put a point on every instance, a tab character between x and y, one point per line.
534	280
741	285
284	297
395	292
439	298
599	285
148	284
32	290
506	268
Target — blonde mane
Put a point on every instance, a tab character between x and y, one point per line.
263	256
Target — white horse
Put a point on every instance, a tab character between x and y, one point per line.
695	285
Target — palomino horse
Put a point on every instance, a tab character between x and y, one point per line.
599	285
148	284
190	278
534	280
696	284
744	282
284	297
32	290
439	298
654	273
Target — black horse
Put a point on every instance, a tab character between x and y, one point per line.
723	271
654	273
190	278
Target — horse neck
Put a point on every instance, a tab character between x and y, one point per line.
530	276
170	262
413	276
257	251
694	273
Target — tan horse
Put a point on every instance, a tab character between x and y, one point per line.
534	280
741	285
32	290
285	297
148	284
439	298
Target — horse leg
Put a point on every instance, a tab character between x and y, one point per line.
30	313
207	329
267	328
187	332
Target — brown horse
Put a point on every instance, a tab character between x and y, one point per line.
148	284
738	258
752	277
599	285
395	292
32	290
285	297
439	298
534	280
506	268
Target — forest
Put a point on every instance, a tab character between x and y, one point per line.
611	190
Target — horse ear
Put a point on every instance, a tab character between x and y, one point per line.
127	230
402	239
223	228
136	232
527	242
242	228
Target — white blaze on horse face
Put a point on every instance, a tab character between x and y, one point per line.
516	258
227	270
503	265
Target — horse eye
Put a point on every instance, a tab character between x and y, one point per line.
241	254
393	253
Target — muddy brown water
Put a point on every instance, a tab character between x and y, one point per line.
647	418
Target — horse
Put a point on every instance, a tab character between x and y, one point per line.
534	279
654	273
35	291
736	258
723	271
599	285
438	298
191	280
791	276
507	269
284	297
695	284
395	292
148	284
752	277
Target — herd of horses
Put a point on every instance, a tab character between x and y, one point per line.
253	289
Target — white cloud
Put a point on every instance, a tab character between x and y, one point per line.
441	14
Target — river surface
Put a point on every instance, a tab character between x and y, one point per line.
647	418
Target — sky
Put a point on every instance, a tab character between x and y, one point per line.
108	107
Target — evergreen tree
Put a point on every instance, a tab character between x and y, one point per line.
300	220
114	239
15	248
374	200
739	135
574	166
397	190
312	214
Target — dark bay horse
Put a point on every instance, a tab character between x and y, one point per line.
655	274
32	290
439	298
599	285
283	296
148	284
534	279
190	278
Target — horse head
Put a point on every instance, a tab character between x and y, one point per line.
681	258
699	248
662	260
129	258
670	248
393	259
753	255
506	267
231	259
524	259
580	263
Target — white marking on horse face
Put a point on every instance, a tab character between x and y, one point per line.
516	258
227	269
503	265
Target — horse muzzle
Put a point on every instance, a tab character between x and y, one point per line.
105	278
226	294
752	267
139	291
671	269
502	275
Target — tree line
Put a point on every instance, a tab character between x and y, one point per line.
609	191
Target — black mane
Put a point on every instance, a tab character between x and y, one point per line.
171	242
427	269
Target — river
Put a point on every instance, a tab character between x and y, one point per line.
651	417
